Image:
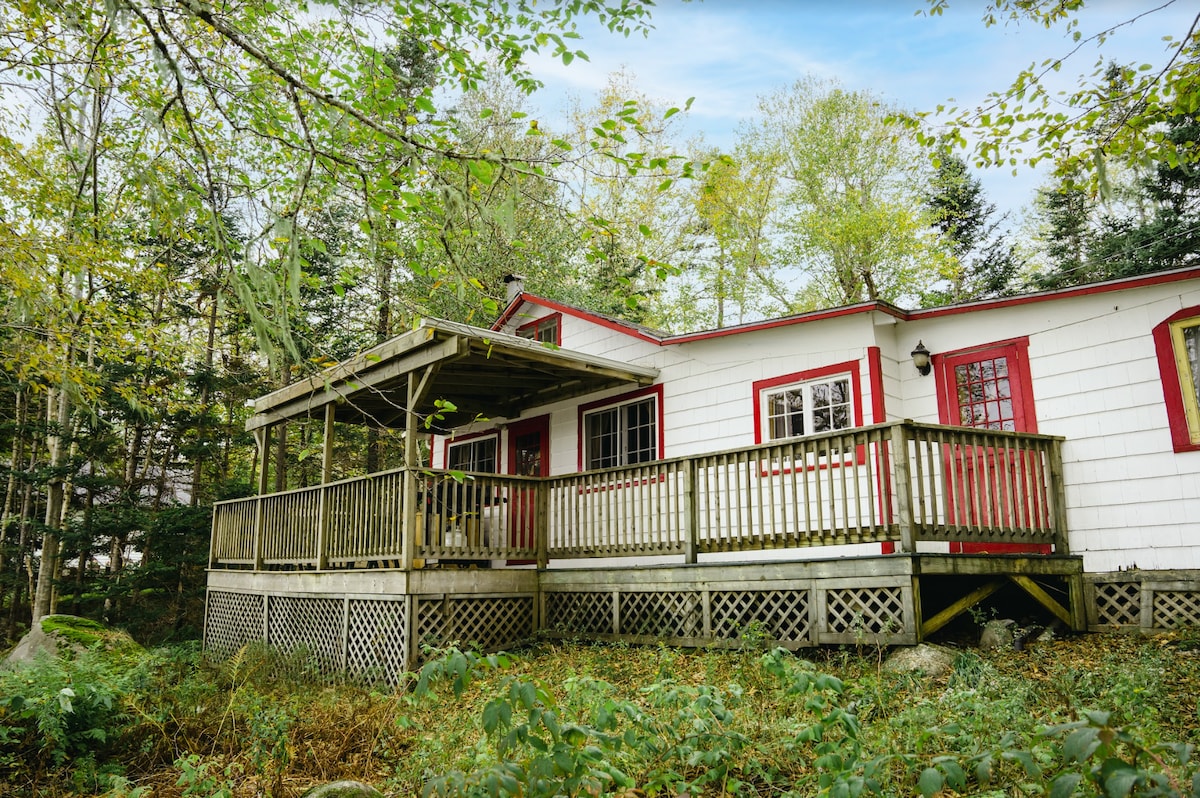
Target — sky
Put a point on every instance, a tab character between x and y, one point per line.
727	53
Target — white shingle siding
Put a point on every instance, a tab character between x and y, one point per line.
1131	500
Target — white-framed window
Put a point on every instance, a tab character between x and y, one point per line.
621	434
476	454
809	407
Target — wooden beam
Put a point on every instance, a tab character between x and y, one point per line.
315	398
1045	599
959	607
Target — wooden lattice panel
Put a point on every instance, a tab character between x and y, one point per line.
579	613
875	610
234	619
311	624
781	615
484	623
1176	608
1119	603
377	646
492	623
662	614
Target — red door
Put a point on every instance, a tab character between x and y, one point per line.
529	456
989	388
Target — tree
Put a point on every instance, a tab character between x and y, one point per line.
171	174
980	262
851	202
730	277
1121	115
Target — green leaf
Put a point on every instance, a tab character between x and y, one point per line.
1081	743
930	782
1064	785
1119	777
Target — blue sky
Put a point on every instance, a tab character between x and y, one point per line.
727	53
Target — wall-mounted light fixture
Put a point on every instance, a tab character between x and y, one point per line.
920	357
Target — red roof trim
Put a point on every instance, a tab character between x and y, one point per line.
611	324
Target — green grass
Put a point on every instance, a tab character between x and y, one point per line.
617	720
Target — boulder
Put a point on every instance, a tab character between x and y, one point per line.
933	661
998	634
59	635
343	789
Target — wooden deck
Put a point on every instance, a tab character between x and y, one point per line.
901	483
709	550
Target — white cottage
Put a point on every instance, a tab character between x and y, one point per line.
863	471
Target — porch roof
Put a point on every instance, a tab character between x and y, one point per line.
482	372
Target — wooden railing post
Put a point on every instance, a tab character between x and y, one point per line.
541	523
323	529
1058	499
691	513
903	482
262	437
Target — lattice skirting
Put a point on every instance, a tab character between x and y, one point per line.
793	617
479	622
1143	599
363	637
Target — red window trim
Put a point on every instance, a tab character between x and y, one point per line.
1018	355
538	322
1168	370
455	440
850	366
656	390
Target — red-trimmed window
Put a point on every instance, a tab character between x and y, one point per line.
811	402
987	387
1177	344
621	431
477	454
547	329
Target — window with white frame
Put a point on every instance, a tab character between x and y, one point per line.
807	408
477	454
622	434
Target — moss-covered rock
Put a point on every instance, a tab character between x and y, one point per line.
66	635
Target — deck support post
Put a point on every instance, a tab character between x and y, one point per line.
691	514
417	388
323	506
408	523
1062	543
903	482
541	524
262	437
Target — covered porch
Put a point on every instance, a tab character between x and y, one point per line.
885	532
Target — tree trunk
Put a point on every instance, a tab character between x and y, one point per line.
58	417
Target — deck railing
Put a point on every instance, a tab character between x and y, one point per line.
899	482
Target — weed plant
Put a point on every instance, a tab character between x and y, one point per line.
1098	715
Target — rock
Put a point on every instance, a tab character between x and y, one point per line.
998	634
58	635
933	661
343	789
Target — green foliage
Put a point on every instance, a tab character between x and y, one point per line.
1116	112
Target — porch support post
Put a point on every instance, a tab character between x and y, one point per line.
262	437
903	482
323	507
327	444
691	515
417	388
408	524
1058	499
541	523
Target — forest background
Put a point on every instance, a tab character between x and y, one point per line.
200	203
